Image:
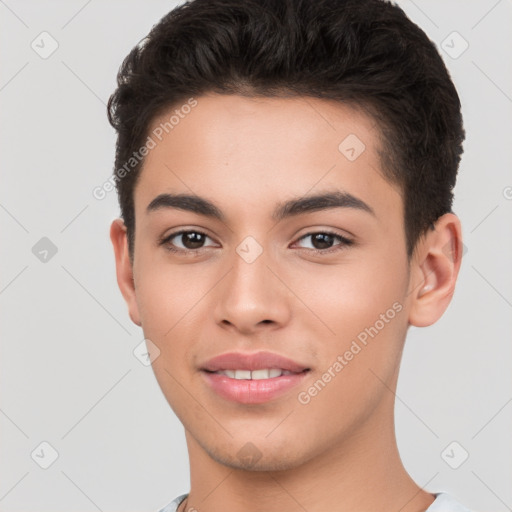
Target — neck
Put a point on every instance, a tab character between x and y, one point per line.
363	472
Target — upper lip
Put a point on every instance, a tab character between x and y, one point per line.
251	361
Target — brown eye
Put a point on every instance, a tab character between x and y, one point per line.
190	240
324	241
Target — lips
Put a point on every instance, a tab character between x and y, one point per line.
252	378
252	362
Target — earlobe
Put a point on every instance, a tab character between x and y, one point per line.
436	266
124	269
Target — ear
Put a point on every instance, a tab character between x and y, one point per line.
124	269
435	267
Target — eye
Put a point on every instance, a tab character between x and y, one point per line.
190	240
322	241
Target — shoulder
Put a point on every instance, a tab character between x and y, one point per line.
173	506
444	502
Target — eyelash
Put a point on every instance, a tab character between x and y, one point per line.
345	242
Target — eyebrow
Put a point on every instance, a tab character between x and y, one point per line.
289	208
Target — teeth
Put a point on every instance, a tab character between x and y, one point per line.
263	374
242	374
255	374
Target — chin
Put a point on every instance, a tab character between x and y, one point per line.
264	464
253	457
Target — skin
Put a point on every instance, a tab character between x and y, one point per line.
337	452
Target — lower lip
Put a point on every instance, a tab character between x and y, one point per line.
247	391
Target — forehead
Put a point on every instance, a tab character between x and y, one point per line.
251	152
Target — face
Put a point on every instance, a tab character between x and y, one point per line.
323	283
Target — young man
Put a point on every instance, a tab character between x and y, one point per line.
285	172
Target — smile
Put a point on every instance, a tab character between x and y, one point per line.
252	378
262	374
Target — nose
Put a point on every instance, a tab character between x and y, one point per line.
253	296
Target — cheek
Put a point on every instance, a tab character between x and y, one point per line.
359	362
351	296
167	295
363	320
169	314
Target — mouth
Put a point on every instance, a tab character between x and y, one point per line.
252	378
263	374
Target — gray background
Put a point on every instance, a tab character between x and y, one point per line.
68	375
